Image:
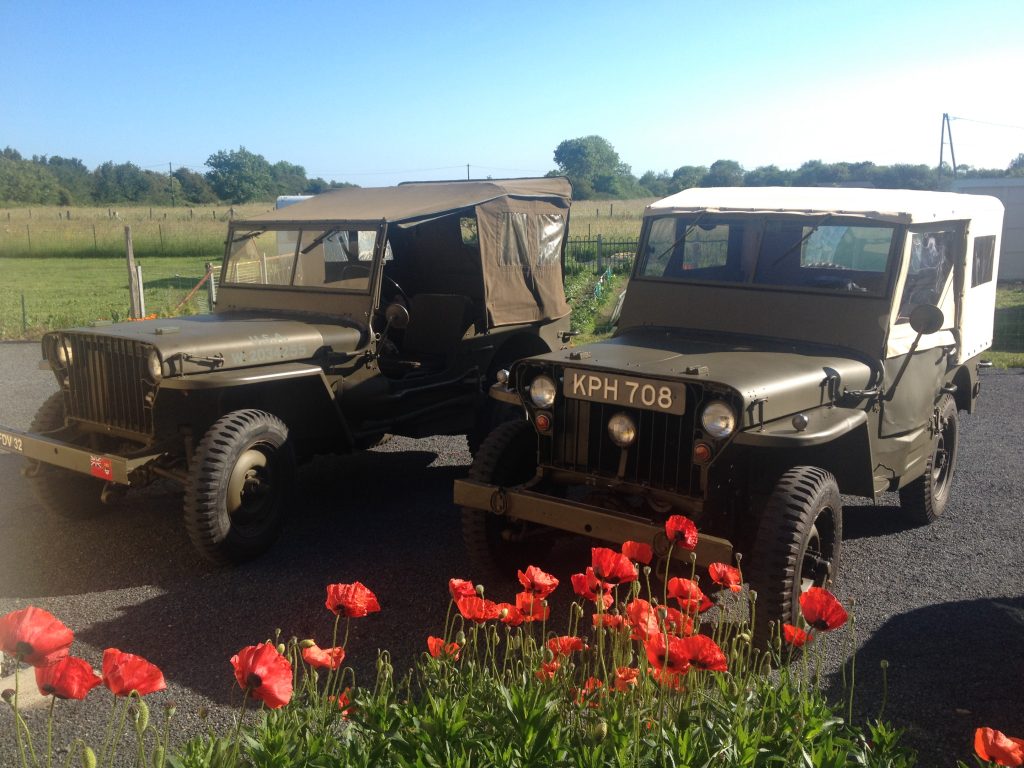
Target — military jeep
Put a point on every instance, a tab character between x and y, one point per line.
776	348
357	314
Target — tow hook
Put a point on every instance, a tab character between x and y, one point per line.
112	493
499	502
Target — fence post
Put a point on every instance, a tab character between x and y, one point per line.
599	255
28	230
95	244
142	291
24	316
211	286
133	275
161	228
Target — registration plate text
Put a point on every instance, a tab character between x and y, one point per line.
9	442
625	390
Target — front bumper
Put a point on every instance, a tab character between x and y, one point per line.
575	517
104	466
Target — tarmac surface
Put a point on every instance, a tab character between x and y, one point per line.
943	604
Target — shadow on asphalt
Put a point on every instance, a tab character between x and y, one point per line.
934	685
868	521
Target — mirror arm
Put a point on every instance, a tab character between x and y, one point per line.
899	374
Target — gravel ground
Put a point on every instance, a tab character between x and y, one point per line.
943	604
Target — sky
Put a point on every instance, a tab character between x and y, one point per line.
379	92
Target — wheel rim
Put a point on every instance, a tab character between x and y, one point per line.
941	459
819	551
251	492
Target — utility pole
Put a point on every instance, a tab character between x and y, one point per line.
467	171
947	132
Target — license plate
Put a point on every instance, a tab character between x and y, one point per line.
662	396
9	442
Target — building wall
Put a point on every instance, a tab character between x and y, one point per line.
1011	192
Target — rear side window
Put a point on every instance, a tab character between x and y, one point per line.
984	258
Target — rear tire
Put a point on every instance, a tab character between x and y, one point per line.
68	494
798	546
498	545
924	500
239	481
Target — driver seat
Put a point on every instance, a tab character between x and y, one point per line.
437	324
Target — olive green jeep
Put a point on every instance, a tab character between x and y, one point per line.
775	348
340	320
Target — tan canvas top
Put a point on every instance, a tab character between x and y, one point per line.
409	201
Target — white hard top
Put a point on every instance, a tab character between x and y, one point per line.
896	205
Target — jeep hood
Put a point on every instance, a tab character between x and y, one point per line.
786	379
192	344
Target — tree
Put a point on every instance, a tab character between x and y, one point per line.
240	176
687	177
1016	167
723	173
594	168
767	176
288	179
23	181
120	183
74	178
194	188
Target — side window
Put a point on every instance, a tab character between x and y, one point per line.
552	228
931	261
470	231
984	258
515	251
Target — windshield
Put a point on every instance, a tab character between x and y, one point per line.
337	259
826	254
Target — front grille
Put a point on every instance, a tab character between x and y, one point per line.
107	383
660	457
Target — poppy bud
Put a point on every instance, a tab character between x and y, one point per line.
753	595
141	717
88	757
884	663
739	558
281	648
158	757
7	695
460	637
480	589
308	643
171	710
503	614
598	730
744	637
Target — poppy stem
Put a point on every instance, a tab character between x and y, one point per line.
236	738
19	723
49	733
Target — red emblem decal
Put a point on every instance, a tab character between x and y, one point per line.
101	468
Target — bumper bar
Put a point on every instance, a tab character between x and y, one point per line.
578	518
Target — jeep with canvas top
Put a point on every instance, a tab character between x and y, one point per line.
357	314
776	347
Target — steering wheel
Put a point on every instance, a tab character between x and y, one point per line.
398	289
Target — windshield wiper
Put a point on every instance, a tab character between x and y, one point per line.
248	236
686	234
802	240
319	240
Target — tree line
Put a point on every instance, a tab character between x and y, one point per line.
590	162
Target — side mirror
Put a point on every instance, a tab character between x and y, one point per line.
926	318
397	316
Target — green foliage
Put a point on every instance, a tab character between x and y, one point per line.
723	173
239	176
194	187
594	168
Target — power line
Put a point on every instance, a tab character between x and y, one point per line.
985	122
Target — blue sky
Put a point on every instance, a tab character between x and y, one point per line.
378	92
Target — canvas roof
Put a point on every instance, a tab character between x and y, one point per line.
895	205
410	201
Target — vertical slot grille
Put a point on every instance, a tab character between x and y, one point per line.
108	384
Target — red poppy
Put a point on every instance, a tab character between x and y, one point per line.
667	655
531	607
344	703
509	615
592	690
681	531
587	585
609	620
438	648
704	653
536	582
726	576
68	678
351	600
264	674
996	747
547	670
323	658
643	619
612	567
565	645
477	608
689	596
822	610
625	678
638	552
461	588
34	636
675	622
126	672
795	636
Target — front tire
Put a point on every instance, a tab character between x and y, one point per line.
924	499
68	494
239	481
497	545
799	542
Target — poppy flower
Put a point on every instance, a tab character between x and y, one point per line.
609	620
477	608
547	670
509	615
351	600
323	658
998	748
565	645
592	690
795	636
726	576
461	588
264	674
681	531
438	648
587	585
704	653
34	636
638	552
612	567
667	655
689	596
536	582
822	610
675	622
531	607
625	678
344	703
643	619
126	672
68	678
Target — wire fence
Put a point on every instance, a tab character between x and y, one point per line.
598	254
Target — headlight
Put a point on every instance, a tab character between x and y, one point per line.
622	430
154	367
62	352
542	391
718	419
